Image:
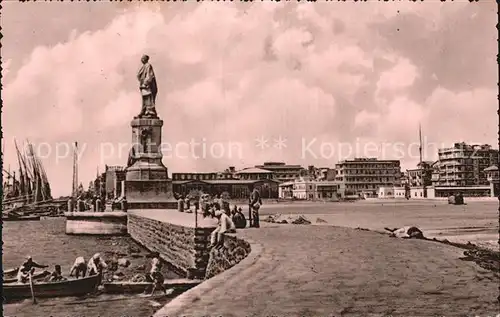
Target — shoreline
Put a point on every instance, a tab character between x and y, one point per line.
486	258
483	257
272	245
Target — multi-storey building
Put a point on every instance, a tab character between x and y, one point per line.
254	173
228	181
202	176
283	172
493	177
308	189
324	174
464	165
366	175
420	176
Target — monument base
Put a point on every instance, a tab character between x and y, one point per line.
149	194
144	170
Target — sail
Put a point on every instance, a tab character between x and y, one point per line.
22	186
15	186
32	185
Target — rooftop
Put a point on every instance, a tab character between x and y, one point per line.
491	168
224	181
279	166
254	170
367	160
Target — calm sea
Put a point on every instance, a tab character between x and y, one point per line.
48	244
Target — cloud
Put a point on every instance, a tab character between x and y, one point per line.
6	67
402	75
234	72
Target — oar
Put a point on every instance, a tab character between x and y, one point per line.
31	288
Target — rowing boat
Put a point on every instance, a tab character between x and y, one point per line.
179	285
76	287
21	218
11	273
10	276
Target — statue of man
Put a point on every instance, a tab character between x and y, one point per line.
148	87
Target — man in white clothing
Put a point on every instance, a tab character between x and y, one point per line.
225	225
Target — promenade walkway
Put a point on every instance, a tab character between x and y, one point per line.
333	271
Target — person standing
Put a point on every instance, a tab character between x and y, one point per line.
255	202
239	219
155	276
180	204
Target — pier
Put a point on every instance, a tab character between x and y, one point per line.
96	223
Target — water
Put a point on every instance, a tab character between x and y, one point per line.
476	222
48	244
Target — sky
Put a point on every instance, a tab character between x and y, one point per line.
244	83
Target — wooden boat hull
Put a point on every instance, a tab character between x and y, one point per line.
11	277
21	218
10	272
179	285
76	287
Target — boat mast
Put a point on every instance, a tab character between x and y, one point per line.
74	193
22	185
420	139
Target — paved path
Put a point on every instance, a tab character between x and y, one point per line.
332	271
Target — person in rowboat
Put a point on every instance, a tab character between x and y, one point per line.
79	267
28	268
56	276
96	265
155	276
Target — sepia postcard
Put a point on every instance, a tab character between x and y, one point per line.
250	158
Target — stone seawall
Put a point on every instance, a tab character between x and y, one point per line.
235	249
183	244
175	237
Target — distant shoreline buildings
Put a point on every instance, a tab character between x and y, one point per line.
463	168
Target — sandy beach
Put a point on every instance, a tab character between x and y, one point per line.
476	222
333	271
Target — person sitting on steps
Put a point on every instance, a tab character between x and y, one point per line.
225	225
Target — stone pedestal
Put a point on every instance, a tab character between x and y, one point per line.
146	182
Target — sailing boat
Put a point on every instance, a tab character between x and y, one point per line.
29	188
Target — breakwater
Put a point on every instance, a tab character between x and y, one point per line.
183	243
96	223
